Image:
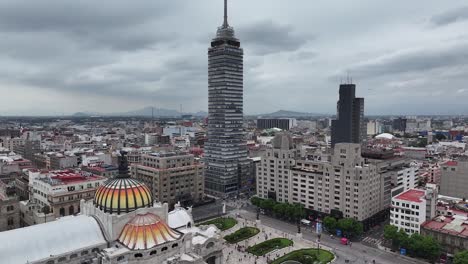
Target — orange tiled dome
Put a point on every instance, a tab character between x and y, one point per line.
146	231
122	195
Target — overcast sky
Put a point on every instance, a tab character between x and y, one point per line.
61	57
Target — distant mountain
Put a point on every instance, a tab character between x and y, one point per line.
146	111
286	113
200	114
85	114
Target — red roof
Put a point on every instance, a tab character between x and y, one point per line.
411	195
68	176
439	226
451	163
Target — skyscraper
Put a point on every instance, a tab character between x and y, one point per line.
226	160
349	126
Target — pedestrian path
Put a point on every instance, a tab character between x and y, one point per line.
238	252
373	242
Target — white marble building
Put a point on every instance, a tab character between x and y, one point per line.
122	224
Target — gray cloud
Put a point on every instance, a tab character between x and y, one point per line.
450	16
417	60
265	37
93	56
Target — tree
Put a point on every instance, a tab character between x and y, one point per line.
430	248
330	223
298	211
45	210
461	257
280	209
350	227
401	239
390	232
267	204
256	201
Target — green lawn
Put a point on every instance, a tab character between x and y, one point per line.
269	245
241	234
307	256
223	223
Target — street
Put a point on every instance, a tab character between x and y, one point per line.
357	253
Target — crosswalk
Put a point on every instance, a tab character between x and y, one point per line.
372	241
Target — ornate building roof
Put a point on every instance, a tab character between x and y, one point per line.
146	231
122	195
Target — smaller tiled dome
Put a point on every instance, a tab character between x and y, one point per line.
122	195
147	231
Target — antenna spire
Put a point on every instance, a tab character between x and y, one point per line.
225	24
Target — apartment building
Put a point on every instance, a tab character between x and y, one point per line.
454	179
273	179
9	208
344	185
172	177
412	208
61	191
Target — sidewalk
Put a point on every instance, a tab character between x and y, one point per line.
237	252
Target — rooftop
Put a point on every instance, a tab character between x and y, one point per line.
411	195
69	177
454	225
450	163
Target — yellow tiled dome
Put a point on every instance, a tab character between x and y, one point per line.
122	195
146	231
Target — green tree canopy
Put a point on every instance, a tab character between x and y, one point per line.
417	245
461	257
330	223
350	226
390	232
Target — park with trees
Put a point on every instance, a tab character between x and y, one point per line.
416	245
291	212
349	227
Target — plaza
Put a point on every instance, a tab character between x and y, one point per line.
238	252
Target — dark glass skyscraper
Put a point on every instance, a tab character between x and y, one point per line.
349	126
227	166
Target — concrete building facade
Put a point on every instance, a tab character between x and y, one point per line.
9	208
344	185
226	148
412	208
282	123
349	125
273	172
454	178
172	177
61	191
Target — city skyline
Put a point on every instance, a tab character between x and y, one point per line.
97	57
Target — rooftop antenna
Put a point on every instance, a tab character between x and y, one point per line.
347	77
225	23
152	115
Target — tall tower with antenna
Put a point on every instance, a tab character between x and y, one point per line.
227	165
